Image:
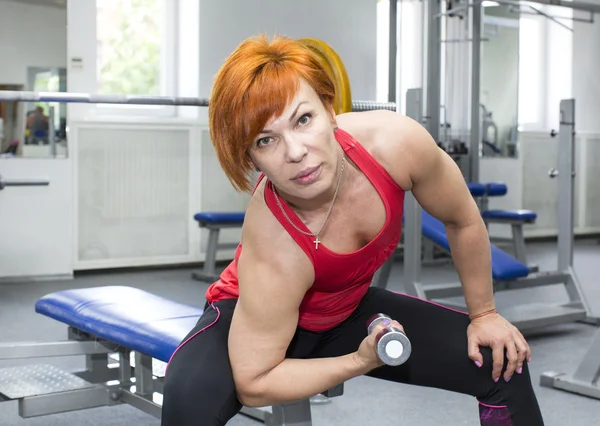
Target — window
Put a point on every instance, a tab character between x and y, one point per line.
136	45
545	61
531	73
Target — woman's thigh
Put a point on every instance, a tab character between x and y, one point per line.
438	336
199	387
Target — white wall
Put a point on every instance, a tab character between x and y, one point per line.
586	84
108	229
36	222
349	26
30	36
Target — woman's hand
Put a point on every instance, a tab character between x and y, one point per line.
502	337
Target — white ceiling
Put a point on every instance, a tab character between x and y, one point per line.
62	4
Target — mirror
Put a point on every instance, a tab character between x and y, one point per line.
499	80
33	61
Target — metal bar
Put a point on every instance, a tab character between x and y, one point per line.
141	402
358	106
393	50
474	146
575	5
49	349
23	182
566	183
539	12
434	70
52	132
63	402
412	214
589	368
10	95
143	374
589	20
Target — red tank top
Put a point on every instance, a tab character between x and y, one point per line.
341	279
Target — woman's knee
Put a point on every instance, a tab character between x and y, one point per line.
518	386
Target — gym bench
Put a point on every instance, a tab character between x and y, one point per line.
515	218
508	273
214	222
584	381
137	329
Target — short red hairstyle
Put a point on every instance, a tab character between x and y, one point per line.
256	83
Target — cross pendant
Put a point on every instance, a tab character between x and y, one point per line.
316	241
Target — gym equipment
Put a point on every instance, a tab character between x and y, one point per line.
22	182
508	273
393	347
142	329
8	95
584	381
332	62
214	222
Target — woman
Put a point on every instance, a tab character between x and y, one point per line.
287	319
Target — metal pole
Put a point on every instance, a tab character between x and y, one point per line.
434	55
23	182
474	146
52	132
412	214
393	50
566	184
62	97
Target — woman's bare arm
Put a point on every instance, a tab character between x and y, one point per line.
274	275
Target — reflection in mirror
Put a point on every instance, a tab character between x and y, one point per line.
499	80
31	62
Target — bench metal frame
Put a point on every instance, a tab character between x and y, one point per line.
117	375
524	316
584	381
518	237
208	272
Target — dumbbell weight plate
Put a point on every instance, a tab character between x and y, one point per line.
393	347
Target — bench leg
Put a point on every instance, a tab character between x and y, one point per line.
292	414
519	242
208	270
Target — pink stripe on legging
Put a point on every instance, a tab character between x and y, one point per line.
430	302
195	334
492	406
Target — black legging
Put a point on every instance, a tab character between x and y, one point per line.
199	388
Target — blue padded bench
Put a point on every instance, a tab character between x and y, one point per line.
504	266
516	219
130	320
476	189
214	222
127	316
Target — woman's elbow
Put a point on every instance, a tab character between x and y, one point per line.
250	395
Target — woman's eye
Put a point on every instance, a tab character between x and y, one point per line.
263	141
304	119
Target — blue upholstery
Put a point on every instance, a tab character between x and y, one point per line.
522	215
504	266
496	189
213	217
130	317
477	189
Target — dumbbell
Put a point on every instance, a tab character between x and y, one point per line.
393	347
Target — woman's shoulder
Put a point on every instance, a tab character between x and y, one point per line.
385	135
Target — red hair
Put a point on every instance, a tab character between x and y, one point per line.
256	83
